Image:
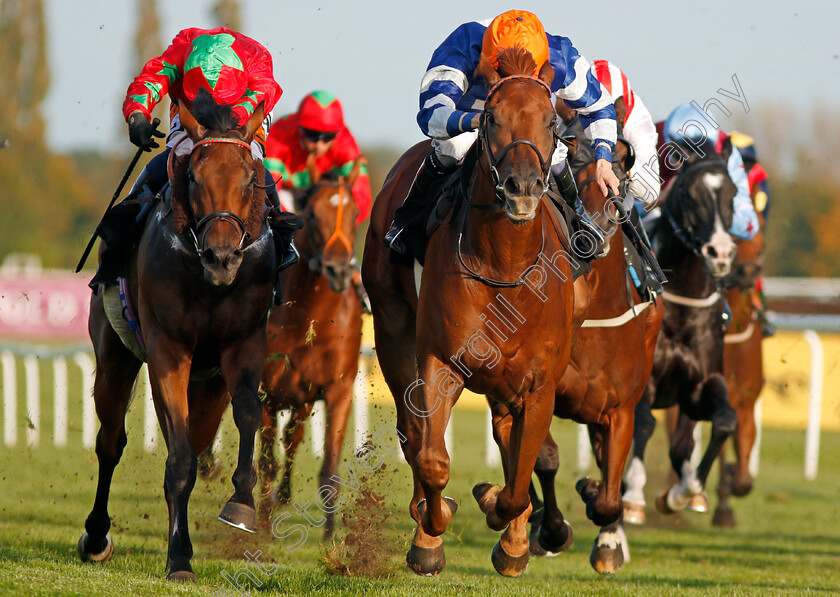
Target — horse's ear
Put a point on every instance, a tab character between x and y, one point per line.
620	111
194	129
488	72
254	123
565	113
354	172
546	74
312	169
726	150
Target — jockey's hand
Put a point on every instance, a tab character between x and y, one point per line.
475	121
140	132
606	178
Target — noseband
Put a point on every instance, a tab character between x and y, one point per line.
316	264
207	221
494	160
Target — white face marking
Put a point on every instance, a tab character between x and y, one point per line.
335	199
713	181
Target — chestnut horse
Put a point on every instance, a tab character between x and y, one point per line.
611	360
742	367
695	247
493	313
201	280
314	338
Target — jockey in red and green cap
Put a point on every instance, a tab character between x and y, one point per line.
317	129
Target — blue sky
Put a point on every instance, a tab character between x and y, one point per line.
372	54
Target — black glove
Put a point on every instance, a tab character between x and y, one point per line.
141	133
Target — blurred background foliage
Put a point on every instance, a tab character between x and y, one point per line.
51	202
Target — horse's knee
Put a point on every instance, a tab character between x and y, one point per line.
432	469
724	421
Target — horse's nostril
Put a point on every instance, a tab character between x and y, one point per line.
513	185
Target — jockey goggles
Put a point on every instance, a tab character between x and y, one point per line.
315	136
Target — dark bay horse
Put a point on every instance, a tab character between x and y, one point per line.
494	311
742	367
695	248
314	338
611	360
201	281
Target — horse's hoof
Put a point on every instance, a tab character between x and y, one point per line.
724	517
607	555
426	561
103	556
552	543
480	490
634	513
587	488
662	502
239	516
181	576
506	564
699	503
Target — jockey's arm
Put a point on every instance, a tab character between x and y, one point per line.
744	218
644	175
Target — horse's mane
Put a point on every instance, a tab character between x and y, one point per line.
181	218
216	117
515	61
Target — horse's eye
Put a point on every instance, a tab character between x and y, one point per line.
191	176
490	120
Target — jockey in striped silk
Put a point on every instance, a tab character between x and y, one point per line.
452	100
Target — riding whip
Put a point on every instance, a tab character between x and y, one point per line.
128	172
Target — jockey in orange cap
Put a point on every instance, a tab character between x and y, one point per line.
236	71
452	99
317	129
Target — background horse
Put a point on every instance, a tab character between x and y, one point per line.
201	281
611	360
314	338
695	248
494	311
742	366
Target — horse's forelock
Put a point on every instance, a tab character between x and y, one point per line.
516	61
213	116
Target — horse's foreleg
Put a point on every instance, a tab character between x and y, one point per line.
724	516
431	401
116	370
555	533
242	365
745	434
169	372
292	436
714	404
634	495
511	506
339	399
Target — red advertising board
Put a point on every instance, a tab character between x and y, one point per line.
48	305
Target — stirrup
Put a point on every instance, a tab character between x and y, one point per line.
393	240
592	236
290	256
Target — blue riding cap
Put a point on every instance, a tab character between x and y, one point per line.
689	128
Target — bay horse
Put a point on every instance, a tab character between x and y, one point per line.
314	339
694	246
611	360
200	279
742	367
493	312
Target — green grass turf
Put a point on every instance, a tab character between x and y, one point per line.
787	541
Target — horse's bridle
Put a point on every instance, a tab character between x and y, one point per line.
494	160
316	264
685	234
222	215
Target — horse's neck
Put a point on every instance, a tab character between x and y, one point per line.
740	303
497	241
685	270
609	273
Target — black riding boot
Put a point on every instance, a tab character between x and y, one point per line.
652	280
415	202
589	244
122	224
287	255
